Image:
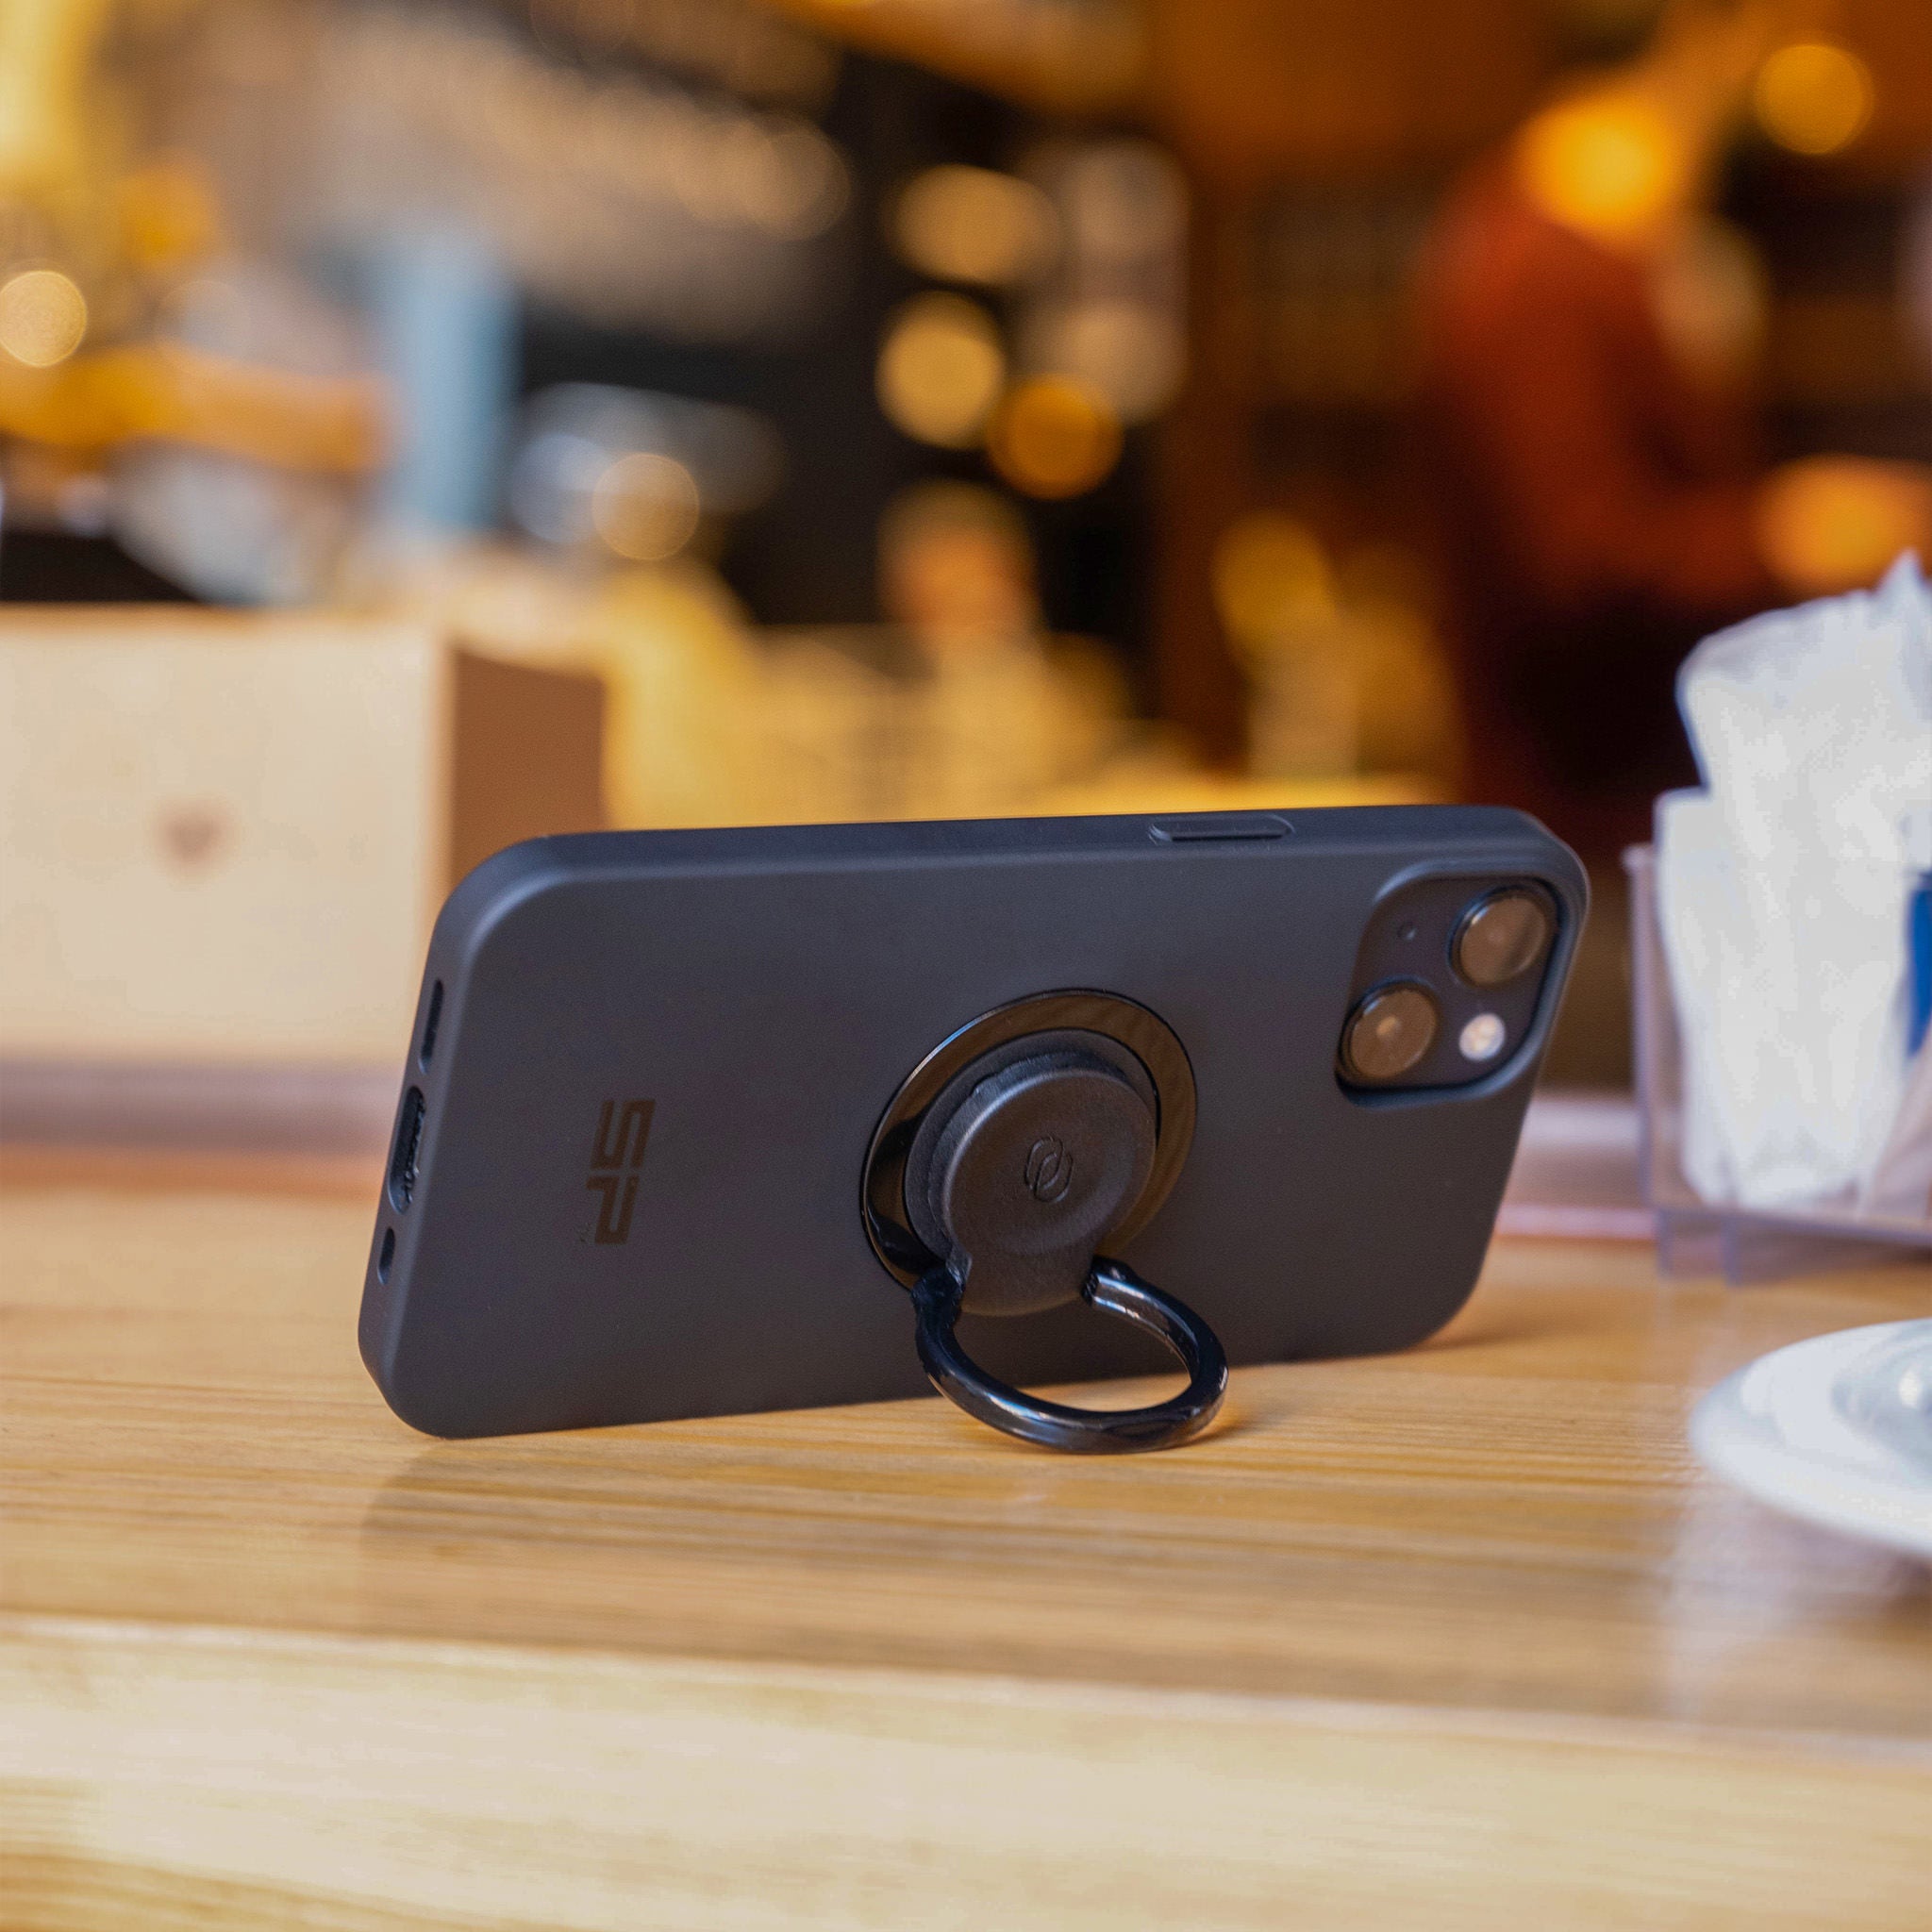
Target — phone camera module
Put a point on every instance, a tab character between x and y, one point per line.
1502	936
1388	1032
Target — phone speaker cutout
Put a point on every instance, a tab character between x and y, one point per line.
403	1162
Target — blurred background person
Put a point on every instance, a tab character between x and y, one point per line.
1002	711
1592	333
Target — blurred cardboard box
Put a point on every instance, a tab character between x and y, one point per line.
223	837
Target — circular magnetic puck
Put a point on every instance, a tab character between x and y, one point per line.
1137	1044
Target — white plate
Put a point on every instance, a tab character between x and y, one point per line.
1837	1430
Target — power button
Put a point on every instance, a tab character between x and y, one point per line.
1204	827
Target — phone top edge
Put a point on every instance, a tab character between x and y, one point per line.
926	840
1485	836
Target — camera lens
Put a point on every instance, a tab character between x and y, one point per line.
1388	1032
1502	936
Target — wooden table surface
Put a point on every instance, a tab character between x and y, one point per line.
1452	1637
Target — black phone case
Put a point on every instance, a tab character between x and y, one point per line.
625	1183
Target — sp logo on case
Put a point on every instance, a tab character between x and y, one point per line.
624	1130
1049	1170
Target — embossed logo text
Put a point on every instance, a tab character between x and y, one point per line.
624	1130
1049	1170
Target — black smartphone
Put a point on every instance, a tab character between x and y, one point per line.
642	1166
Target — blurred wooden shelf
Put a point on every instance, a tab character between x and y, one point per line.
1454	1636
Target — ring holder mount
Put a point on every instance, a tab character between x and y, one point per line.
1020	1146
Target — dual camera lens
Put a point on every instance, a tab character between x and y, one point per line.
1501	937
1495	942
1388	1032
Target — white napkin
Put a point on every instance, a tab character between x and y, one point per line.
1783	888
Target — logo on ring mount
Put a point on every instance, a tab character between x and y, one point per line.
1049	1170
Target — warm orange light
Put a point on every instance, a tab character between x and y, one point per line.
973	225
1055	437
1611	166
169	216
42	317
1270	569
645	507
1836	523
940	369
1814	97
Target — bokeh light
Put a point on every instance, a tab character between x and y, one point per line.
1270	569
42	317
941	370
1055	437
1125	201
1612	168
973	225
1838	524
1814	97
1131	352
645	507
790	182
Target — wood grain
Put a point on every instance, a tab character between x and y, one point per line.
1464	1626
250	1780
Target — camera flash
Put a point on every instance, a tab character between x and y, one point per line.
1482	1039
